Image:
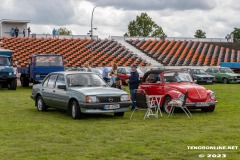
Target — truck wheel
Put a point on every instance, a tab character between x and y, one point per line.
25	82
41	106
75	110
12	85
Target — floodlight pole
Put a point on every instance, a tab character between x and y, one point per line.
91	35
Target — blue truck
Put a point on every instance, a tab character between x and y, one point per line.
8	78
235	66
40	65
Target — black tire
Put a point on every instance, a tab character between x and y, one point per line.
209	109
12	84
225	81
75	110
41	106
166	101
119	114
24	82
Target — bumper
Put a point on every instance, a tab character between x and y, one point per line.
204	105
234	80
7	78
96	108
205	82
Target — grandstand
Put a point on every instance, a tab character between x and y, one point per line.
167	52
188	53
75	51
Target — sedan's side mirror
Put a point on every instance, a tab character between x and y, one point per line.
62	87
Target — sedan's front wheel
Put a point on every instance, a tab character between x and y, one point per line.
41	106
75	110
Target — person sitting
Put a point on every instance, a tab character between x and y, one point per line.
118	84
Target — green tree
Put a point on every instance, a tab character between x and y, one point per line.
236	34
144	26
200	34
64	31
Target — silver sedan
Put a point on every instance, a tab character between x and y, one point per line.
79	93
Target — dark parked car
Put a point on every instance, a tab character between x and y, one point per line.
78	93
200	76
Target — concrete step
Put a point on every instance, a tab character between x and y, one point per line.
140	53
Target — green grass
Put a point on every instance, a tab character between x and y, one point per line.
26	133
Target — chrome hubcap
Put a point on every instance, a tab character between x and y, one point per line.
73	110
40	104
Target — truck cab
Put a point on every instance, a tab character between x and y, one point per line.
8	77
39	67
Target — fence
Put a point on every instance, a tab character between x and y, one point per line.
171	38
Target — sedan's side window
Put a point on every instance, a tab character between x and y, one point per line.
60	80
215	70
52	80
45	83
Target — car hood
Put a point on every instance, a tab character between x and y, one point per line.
202	76
103	91
195	92
232	74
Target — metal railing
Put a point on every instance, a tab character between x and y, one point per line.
171	38
34	35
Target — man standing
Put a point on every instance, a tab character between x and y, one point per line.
16	32
133	84
24	33
54	32
29	31
105	72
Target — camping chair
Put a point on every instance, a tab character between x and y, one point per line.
144	102
176	103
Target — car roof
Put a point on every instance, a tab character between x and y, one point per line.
72	72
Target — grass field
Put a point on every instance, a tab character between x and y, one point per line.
26	133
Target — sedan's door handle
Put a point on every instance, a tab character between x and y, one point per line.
53	90
42	89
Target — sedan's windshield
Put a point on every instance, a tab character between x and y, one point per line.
171	77
84	80
225	70
4	61
48	61
199	71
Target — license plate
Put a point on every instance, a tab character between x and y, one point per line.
209	81
201	104
111	106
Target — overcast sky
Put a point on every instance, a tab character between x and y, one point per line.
178	18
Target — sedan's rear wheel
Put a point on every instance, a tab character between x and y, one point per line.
167	108
41	106
75	110
225	80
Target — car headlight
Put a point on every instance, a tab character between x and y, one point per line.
212	95
125	97
37	75
10	73
91	99
181	97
